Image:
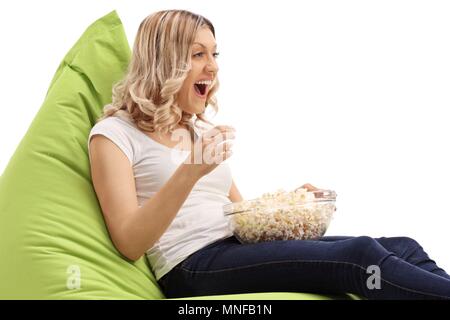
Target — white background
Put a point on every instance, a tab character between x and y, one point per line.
346	95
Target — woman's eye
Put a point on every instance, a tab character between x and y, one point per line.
200	54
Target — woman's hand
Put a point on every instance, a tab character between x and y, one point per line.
310	188
210	150
318	193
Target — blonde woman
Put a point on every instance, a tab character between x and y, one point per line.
163	199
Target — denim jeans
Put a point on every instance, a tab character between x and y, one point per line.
372	268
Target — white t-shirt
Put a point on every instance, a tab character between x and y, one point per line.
200	220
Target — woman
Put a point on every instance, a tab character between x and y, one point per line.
164	199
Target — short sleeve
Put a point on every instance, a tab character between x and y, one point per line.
117	134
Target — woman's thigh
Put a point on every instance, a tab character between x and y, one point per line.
327	265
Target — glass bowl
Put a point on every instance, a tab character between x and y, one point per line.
296	215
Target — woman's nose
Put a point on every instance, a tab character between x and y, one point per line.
212	66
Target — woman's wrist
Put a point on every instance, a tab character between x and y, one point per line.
190	172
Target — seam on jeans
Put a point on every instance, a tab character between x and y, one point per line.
312	261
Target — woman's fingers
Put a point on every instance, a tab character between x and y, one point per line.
212	148
318	194
309	187
220	133
217	145
221	151
223	156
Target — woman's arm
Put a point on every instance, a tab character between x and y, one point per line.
135	229
235	195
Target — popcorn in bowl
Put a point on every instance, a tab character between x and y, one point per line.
295	215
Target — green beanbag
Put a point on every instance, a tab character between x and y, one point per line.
53	240
54	243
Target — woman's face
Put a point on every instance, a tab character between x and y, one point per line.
193	93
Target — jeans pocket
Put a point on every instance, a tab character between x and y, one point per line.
183	263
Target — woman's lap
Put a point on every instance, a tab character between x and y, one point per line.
328	265
222	256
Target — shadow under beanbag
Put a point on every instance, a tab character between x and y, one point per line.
54	243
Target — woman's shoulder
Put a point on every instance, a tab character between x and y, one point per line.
118	129
116	123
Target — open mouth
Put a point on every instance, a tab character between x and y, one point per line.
200	88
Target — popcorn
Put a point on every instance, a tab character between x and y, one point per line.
282	215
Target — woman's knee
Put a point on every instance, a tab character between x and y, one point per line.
364	246
404	242
409	244
410	241
364	241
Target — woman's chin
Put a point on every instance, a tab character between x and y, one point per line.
199	109
195	108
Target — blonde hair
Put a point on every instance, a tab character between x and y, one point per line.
160	62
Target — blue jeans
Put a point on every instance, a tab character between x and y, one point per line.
329	265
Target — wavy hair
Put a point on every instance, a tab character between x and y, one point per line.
160	62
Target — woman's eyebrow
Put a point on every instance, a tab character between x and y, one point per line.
214	47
